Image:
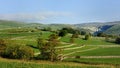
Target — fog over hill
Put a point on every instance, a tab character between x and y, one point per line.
95	27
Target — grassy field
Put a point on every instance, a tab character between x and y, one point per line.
10	63
91	41
111	61
110	51
95	46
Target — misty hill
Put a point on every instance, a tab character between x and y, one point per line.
10	24
113	30
95	27
13	24
106	27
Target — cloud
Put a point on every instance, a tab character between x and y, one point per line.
35	17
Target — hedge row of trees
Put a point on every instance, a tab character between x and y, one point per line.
15	51
48	48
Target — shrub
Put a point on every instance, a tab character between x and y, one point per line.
72	40
47	49
77	57
18	52
117	40
101	34
62	33
75	35
87	37
2	46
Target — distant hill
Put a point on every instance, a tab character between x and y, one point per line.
10	24
13	24
106	27
95	27
113	30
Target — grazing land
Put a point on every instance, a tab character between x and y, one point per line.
95	52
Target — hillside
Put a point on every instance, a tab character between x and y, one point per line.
113	30
10	24
106	27
95	27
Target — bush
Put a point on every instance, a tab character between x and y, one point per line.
117	40
101	34
62	33
87	37
75	35
18	52
72	40
2	46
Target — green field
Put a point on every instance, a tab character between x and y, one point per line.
95	46
110	51
9	63
92	41
114	61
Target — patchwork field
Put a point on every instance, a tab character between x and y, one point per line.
95	52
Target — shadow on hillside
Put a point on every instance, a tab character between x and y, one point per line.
33	46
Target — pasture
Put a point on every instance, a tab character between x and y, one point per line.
95	46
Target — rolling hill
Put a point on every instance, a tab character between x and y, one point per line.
106	27
95	27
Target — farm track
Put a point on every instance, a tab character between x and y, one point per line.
74	48
94	57
65	46
16	38
99	56
22	38
81	51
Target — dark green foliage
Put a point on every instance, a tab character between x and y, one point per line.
117	40
107	39
72	40
71	30
101	34
18	52
47	49
2	46
87	37
75	35
47	29
83	33
62	33
53	36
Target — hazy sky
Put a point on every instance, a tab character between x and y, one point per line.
60	11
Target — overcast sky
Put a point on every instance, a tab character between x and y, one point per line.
60	11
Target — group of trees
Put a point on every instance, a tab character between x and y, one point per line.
15	51
48	48
2	46
117	40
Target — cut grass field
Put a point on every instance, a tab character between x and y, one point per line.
111	61
10	63
91	41
109	51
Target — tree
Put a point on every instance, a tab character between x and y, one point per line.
48	49
53	37
2	46
117	40
87	37
62	33
107	39
83	33
18	52
101	34
72	40
75	35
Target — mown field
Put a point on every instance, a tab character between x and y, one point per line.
10	63
95	46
